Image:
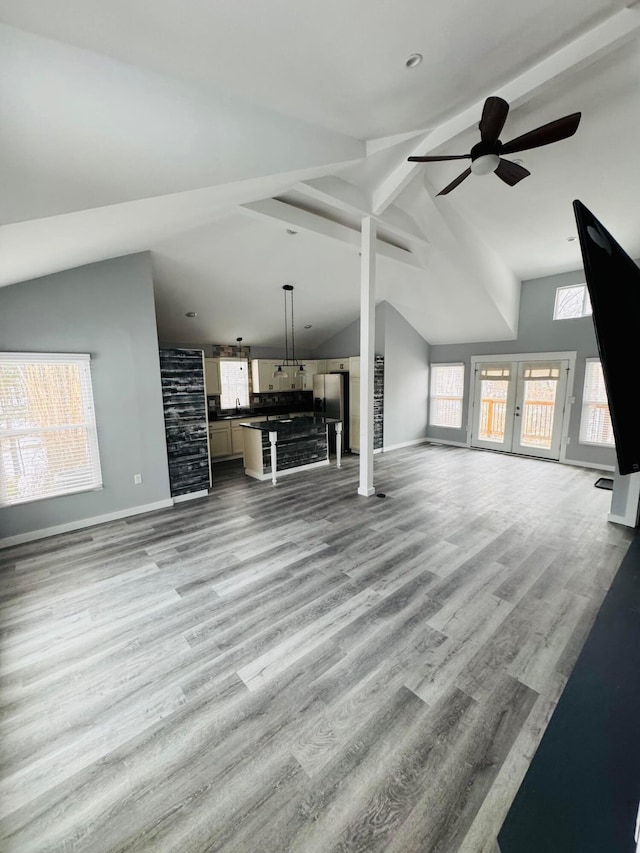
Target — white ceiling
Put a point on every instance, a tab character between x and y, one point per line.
163	126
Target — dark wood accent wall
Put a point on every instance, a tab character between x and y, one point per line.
296	450
378	402
185	420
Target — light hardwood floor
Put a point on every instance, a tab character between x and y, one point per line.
299	668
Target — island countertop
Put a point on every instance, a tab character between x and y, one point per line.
287	445
291	426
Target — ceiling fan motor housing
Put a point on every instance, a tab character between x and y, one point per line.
485	157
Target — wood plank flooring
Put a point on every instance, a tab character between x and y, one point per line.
299	668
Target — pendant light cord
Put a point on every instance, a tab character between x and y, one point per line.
286	327
293	346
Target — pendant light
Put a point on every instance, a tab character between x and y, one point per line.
289	363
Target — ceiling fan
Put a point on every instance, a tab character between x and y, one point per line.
486	155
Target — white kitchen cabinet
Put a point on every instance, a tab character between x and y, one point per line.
262	374
310	370
354	366
212	375
337	365
220	439
322	365
238	433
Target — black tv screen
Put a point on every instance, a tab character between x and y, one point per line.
613	281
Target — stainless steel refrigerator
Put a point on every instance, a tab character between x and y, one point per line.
331	400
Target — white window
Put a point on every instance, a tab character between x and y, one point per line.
234	383
447	387
572	301
595	423
48	439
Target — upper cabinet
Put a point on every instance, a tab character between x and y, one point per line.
212	375
265	376
354	366
337	365
262	375
310	370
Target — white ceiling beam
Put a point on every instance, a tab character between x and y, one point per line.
585	49
335	193
294	217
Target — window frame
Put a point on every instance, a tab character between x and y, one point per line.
93	480
433	369
586	300
245	396
585	408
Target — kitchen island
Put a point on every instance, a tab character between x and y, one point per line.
288	445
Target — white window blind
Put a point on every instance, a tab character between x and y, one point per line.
48	439
447	387
572	301
234	383
595	422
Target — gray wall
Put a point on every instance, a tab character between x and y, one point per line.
537	332
107	310
406	372
406	367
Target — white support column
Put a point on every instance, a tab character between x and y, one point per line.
273	437
367	353
339	445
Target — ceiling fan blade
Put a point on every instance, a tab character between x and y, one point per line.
436	159
510	172
455	183
556	130
494	115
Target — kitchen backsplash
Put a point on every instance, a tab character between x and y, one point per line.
297	400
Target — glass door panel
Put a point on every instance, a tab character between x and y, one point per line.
494	394
518	407
539	408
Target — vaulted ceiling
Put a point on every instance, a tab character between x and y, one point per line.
207	132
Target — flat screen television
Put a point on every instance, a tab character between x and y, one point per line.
613	281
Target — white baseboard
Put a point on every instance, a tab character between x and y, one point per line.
411	443
448	443
203	493
81	523
579	464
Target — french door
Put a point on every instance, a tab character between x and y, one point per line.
519	406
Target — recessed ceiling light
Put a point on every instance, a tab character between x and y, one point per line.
308	326
291	231
571	239
191	314
413	60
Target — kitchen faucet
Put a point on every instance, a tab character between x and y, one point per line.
237	404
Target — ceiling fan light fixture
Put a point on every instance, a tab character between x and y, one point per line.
485	164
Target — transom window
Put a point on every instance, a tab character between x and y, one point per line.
234	383
595	423
48	438
572	301
446	393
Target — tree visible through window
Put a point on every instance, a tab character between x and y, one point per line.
48	439
234	383
595	423
447	386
